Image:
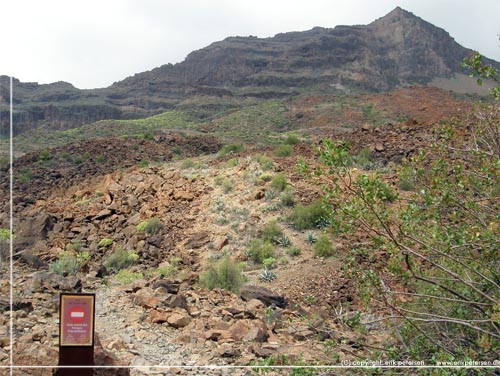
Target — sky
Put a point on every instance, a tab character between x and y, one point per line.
93	43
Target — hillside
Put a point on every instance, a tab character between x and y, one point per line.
397	50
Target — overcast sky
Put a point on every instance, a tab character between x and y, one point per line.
93	43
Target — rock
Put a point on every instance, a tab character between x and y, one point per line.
103	214
32	230
177	301
239	330
159	317
183	195
178	320
170	286
379	147
220	243
227	350
260	194
257	333
301	333
197	240
366	127
253	306
146	299
24	305
217	334
264	295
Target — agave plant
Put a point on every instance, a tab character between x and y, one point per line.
267	275
311	237
284	241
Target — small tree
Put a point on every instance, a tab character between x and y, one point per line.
441	281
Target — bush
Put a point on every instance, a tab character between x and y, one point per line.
126	276
407	178
105	242
143	163
292	140
231	149
44	155
265	163
187	163
287	198
283	151
279	182
227	185
323	247
258	250
225	274
363	159
308	217
293	251
66	264
120	259
150	226
69	262
271	232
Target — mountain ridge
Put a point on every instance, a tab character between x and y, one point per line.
396	50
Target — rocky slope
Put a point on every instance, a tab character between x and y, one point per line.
307	314
396	50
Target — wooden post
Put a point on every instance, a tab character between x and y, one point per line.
76	333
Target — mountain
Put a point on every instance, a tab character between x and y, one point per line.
397	50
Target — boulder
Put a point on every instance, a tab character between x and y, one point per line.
178	320
264	295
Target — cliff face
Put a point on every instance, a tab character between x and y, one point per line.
396	50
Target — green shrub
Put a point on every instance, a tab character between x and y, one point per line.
407	178
231	149
166	271
120	259
44	155
283	151
279	182
187	163
258	250
292	139
233	162
100	158
293	251
271	232
269	262
66	264
150	226
143	163
69	262
323	247
75	246
227	185
287	198
266	177
105	242
225	274
265	163
126	276
4	163
363	159
307	217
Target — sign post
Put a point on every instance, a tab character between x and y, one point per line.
76	333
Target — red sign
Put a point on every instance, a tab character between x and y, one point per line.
76	327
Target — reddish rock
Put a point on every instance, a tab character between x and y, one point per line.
239	330
178	320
